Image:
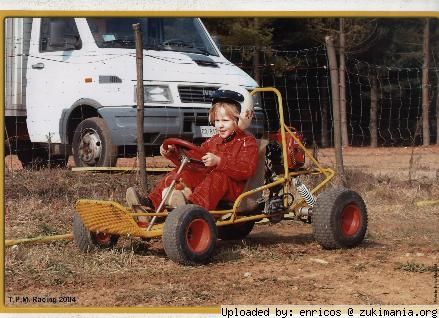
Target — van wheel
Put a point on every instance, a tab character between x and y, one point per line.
92	145
88	241
189	235
235	231
339	219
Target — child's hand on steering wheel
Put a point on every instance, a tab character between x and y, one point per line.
210	160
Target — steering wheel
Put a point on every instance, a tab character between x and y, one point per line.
185	148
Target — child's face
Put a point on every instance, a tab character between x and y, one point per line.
224	124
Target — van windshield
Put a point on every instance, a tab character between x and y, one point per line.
169	34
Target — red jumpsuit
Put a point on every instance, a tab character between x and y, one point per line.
224	182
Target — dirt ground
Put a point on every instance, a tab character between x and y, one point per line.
276	264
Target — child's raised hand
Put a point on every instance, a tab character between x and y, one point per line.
210	160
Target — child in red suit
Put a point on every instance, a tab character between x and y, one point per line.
231	155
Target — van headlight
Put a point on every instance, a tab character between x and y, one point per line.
156	94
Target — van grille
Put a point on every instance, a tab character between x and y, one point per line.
196	94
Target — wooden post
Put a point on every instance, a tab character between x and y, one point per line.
425	101
324	109
335	107
373	113
140	112
342	72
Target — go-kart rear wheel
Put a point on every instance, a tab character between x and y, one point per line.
87	241
235	231
339	219
189	235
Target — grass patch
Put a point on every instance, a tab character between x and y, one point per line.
414	267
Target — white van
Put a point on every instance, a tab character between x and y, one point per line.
71	85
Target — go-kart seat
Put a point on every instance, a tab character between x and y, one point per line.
249	203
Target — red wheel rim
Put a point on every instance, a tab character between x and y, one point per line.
350	219
198	236
103	238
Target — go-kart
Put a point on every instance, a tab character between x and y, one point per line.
275	192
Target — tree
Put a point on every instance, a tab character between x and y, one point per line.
425	84
354	36
412	43
253	34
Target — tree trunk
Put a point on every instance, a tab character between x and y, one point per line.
140	109
425	101
256	70
256	55
373	113
342	71
324	108
437	113
335	107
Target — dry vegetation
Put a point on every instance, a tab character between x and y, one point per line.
395	264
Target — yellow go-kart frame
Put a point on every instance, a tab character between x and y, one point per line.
189	232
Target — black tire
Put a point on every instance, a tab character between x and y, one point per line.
189	235
88	241
92	144
339	219
235	231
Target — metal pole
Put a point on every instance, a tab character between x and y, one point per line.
39	239
140	112
184	161
335	106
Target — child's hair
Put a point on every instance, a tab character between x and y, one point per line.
230	109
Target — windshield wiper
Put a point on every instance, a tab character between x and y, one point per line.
181	46
121	42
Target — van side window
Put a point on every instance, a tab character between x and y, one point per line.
59	34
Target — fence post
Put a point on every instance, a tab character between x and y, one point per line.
140	101
342	79
335	91
324	116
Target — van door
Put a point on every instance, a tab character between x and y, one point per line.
52	75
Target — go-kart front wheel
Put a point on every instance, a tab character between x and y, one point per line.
87	240
189	235
339	219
